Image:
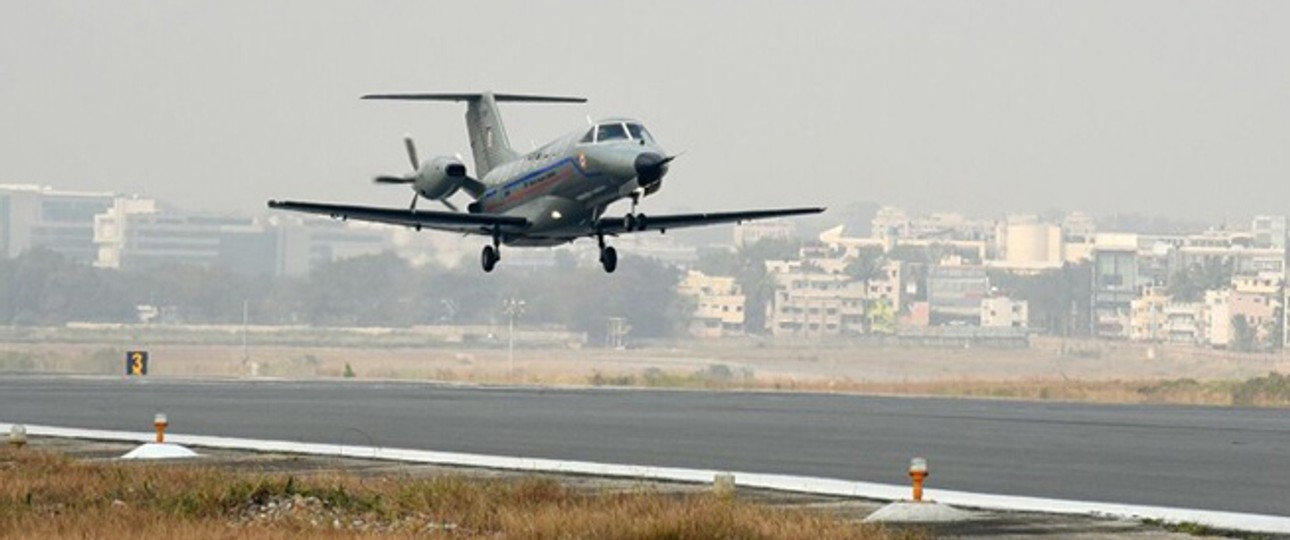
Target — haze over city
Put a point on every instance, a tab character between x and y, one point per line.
1158	108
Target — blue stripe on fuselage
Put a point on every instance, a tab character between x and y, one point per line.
538	172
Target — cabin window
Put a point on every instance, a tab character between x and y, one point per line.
610	132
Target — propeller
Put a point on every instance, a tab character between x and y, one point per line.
412	157
432	171
650	167
412	152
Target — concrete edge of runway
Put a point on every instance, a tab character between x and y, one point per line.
801	484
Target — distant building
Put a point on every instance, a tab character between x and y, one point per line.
1079	227
813	304
718	305
304	243
1220	317
752	232
1116	283
136	233
1269	232
889	222
1004	312
1027	245
1146	322
954	293
1259	312
41	217
144	237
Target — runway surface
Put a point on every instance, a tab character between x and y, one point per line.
1190	457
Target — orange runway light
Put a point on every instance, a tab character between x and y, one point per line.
160	422
918	472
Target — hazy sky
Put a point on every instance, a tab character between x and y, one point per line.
1179	108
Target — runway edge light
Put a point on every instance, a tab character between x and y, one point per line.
159	421
918	472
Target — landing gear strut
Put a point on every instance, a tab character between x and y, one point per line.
608	256
634	221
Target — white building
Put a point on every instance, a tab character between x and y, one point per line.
718	304
1269	232
752	232
42	217
137	233
1004	312
1026	244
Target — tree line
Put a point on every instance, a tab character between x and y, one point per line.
42	288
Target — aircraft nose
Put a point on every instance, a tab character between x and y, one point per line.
650	168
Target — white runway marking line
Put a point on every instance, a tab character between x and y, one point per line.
802	484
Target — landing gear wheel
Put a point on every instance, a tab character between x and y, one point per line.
629	222
489	257
609	259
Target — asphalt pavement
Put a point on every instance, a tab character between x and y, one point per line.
1210	458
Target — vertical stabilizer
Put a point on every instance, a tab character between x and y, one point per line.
488	141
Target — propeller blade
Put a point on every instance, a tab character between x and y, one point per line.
450	206
392	180
412	152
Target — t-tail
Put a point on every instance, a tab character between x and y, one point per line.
488	141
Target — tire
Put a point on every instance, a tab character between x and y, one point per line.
488	258
609	259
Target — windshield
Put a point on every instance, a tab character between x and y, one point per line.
610	132
640	133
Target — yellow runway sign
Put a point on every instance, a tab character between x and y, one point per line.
136	363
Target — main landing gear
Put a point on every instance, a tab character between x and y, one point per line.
608	256
491	254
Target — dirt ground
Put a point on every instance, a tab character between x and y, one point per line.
1085	370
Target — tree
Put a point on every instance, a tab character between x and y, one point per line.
1058	300
1189	283
1244	336
748	266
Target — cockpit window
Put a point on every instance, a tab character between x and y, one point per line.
640	133
610	132
589	137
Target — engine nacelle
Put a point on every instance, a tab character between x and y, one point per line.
439	178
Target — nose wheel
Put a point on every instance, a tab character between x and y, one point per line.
489	257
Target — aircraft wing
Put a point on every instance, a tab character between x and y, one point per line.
616	225
417	219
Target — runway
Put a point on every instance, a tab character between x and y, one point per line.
1190	457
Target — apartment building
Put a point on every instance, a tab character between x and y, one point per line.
719	305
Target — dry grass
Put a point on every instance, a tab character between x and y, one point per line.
49	496
1067	370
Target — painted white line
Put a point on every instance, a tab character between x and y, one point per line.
801	484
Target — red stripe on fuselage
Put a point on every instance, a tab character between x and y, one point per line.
519	195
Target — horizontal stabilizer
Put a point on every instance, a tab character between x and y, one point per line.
476	97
